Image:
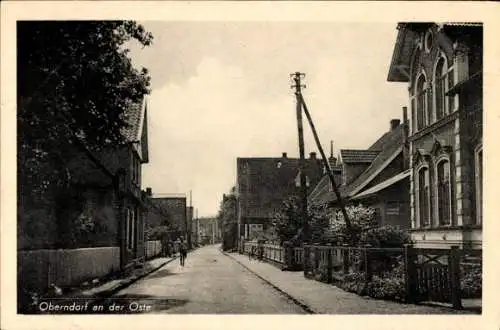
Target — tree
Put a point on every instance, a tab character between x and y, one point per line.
227	218
287	222
74	82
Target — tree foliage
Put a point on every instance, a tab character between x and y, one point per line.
74	82
227	218
74	79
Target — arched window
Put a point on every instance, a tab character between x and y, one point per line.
479	184
421	98
440	87
443	192
423	197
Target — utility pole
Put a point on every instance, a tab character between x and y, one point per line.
327	165
303	186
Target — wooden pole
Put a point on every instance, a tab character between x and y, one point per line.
303	185
326	164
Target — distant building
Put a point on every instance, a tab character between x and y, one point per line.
190	224
264	183
442	66
377	177
209	231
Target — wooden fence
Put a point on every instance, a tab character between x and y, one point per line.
427	274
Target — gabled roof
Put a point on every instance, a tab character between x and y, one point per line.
391	146
264	183
408	36
349	156
135	132
383	185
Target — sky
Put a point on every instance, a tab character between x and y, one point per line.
221	90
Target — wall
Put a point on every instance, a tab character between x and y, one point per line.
153	249
37	269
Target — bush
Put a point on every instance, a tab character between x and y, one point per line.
388	288
354	282
385	237
471	280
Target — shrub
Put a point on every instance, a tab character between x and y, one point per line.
389	285
471	280
354	282
385	237
388	288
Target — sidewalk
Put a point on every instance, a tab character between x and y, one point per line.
322	298
112	286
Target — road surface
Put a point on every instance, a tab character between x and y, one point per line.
209	283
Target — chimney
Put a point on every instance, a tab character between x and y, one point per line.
332	160
284	155
312	155
395	123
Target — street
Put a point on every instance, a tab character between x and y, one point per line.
210	282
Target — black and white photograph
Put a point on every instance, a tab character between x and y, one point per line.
248	167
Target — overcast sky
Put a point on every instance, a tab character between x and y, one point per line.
222	91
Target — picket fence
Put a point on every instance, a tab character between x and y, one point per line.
428	274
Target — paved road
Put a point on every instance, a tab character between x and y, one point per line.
210	282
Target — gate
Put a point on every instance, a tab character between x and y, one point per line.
434	275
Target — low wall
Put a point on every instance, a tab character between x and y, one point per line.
37	269
153	248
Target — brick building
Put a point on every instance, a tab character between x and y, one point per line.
126	161
264	183
101	203
377	177
442	65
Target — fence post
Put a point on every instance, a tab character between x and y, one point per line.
409	274
306	260
345	259
288	260
454	267
368	268
329	265
316	256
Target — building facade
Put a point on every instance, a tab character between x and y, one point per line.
263	184
442	65
376	177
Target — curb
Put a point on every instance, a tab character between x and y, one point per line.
108	293
295	300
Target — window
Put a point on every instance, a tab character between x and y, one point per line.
444	193
423	197
130	228
421	99
443	82
135	169
440	88
479	185
429	39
